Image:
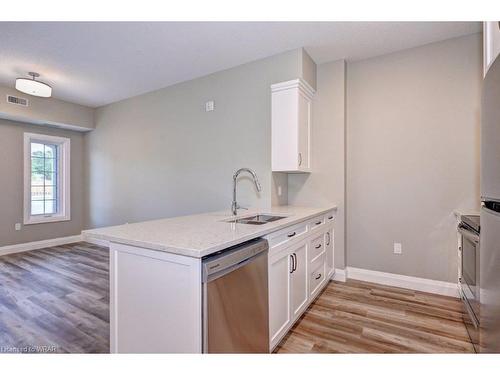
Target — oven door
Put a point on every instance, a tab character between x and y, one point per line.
469	280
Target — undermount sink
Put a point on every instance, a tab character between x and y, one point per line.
256	219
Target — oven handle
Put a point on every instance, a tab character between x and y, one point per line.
467	233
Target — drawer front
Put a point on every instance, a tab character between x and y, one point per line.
317	276
317	247
287	235
330	216
317	222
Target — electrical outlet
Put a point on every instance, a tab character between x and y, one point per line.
397	248
209	106
17	226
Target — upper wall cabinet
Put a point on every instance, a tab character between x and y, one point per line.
291	126
491	43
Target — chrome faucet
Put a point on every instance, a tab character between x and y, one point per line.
235	205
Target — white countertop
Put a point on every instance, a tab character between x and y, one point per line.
203	234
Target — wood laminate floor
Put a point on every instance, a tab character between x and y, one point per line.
57	300
360	317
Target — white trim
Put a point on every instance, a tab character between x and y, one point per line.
94	241
292	84
27	246
64	179
409	282
339	275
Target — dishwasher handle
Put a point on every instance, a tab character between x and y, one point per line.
225	271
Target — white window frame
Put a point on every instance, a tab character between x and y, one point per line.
63	179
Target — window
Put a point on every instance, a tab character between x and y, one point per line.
46	178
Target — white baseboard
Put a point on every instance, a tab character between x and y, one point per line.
10	249
409	282
95	241
339	275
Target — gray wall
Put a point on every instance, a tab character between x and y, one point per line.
308	69
11	198
161	155
46	111
325	184
412	156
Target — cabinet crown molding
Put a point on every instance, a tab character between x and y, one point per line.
293	84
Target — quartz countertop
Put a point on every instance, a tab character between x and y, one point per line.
203	234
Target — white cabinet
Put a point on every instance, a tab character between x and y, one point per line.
291	126
300	265
491	43
317	276
155	301
280	267
288	288
329	251
298	278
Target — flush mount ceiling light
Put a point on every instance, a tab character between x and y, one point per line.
33	87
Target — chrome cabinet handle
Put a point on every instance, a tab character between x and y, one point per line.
300	159
330	217
293	263
291	234
319	277
328	242
318	223
317	247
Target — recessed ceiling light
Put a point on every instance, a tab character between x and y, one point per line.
33	87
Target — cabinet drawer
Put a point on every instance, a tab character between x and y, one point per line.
329	216
317	275
317	247
288	234
316	263
317	222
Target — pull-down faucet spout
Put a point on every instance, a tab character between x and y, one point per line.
234	204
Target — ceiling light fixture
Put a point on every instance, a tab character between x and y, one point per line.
33	87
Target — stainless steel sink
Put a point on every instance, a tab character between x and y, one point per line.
256	219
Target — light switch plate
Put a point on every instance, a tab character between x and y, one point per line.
209	106
17	226
398	249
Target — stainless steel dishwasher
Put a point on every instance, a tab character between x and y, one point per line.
235	300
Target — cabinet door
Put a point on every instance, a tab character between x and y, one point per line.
329	248
279	295
299	287
284	134
291	126
304	132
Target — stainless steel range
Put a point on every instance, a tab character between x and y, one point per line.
469	229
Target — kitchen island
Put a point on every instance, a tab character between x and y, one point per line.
155	273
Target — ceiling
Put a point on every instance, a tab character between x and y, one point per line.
99	63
